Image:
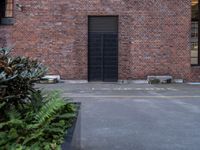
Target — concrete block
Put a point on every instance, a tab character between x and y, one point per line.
159	79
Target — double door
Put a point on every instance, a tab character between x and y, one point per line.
103	49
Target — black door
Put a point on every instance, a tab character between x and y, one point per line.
103	49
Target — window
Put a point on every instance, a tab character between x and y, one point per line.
9	8
6	11
2	9
195	49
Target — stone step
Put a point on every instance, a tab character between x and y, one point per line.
50	79
159	79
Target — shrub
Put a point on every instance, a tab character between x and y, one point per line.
17	78
29	118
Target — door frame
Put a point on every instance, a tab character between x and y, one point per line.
88	27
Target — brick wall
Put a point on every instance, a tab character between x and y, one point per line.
153	35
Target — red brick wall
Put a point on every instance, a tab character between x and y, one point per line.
154	36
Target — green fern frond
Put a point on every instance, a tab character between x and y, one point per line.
35	146
52	96
12	134
13	114
50	108
67	116
36	99
55	130
14	119
2	105
33	136
70	107
2	134
13	122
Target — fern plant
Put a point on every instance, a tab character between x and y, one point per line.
53	103
43	129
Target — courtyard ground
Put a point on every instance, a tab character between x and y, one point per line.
136	116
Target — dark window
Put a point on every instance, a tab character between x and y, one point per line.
195	49
2	8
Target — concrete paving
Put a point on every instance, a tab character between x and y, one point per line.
136	116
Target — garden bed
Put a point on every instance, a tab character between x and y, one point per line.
31	118
72	137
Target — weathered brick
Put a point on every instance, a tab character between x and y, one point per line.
154	36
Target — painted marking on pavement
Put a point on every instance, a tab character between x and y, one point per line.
127	96
134	89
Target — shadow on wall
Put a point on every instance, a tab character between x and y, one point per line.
2	41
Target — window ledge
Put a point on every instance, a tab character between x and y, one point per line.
7	21
197	67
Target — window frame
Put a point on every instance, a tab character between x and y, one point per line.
4	20
197	20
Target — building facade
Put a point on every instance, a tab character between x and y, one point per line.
105	40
